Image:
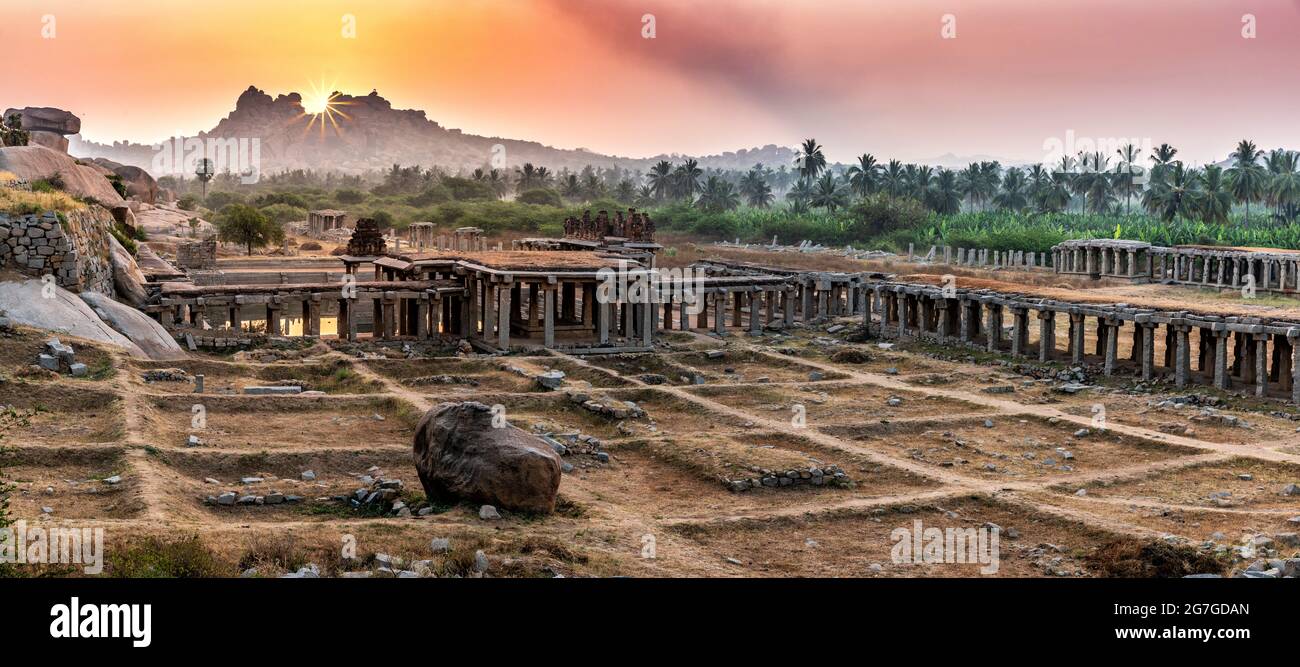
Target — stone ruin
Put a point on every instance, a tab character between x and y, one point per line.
420	234
367	240
319	223
200	255
636	227
60	358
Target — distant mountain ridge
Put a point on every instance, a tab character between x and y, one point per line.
368	134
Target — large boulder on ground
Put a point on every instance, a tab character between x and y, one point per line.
33	163
24	302
47	119
141	329
459	455
128	279
139	184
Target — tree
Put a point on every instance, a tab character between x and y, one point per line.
204	172
830	193
1246	179
12	132
863	175
718	195
686	180
1215	197
661	179
810	160
755	190
1174	192
1013	196
1124	178
944	197
894	179
245	225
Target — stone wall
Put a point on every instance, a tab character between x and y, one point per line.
74	249
200	255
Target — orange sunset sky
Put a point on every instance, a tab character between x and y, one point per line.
862	76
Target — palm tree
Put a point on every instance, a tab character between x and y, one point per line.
968	183
1246	179
810	161
863	175
922	176
498	182
1162	157
1013	196
945	197
571	187
754	187
799	195
661	179
525	177
1284	190
686	179
1175	193
625	191
1123	179
542	178
593	187
718	195
1053	196
1215	196
830	193
645	196
894	179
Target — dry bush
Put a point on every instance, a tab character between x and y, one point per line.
1132	558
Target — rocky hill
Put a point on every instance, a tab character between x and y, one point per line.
368	134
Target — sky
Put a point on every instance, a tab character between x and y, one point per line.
906	79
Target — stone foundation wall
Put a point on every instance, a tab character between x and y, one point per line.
73	249
200	255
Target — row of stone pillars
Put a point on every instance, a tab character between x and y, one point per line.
1230	269
1119	262
1228	357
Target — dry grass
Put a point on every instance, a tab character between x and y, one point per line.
22	201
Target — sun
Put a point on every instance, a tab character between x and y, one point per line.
316	104
321	104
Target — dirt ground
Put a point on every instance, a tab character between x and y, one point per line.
941	437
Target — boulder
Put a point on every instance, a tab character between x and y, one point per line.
459	455
144	331
139	184
23	303
50	140
128	279
47	119
33	163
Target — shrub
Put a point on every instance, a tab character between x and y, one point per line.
464	189
219	200
540	197
349	196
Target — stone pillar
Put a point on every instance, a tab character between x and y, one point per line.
720	313
1220	358
1046	335
1112	344
787	307
648	323
507	310
1261	363
1182	361
993	334
1019	330
1076	337
548	315
1293	337
1148	350
490	300
422	310
273	317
